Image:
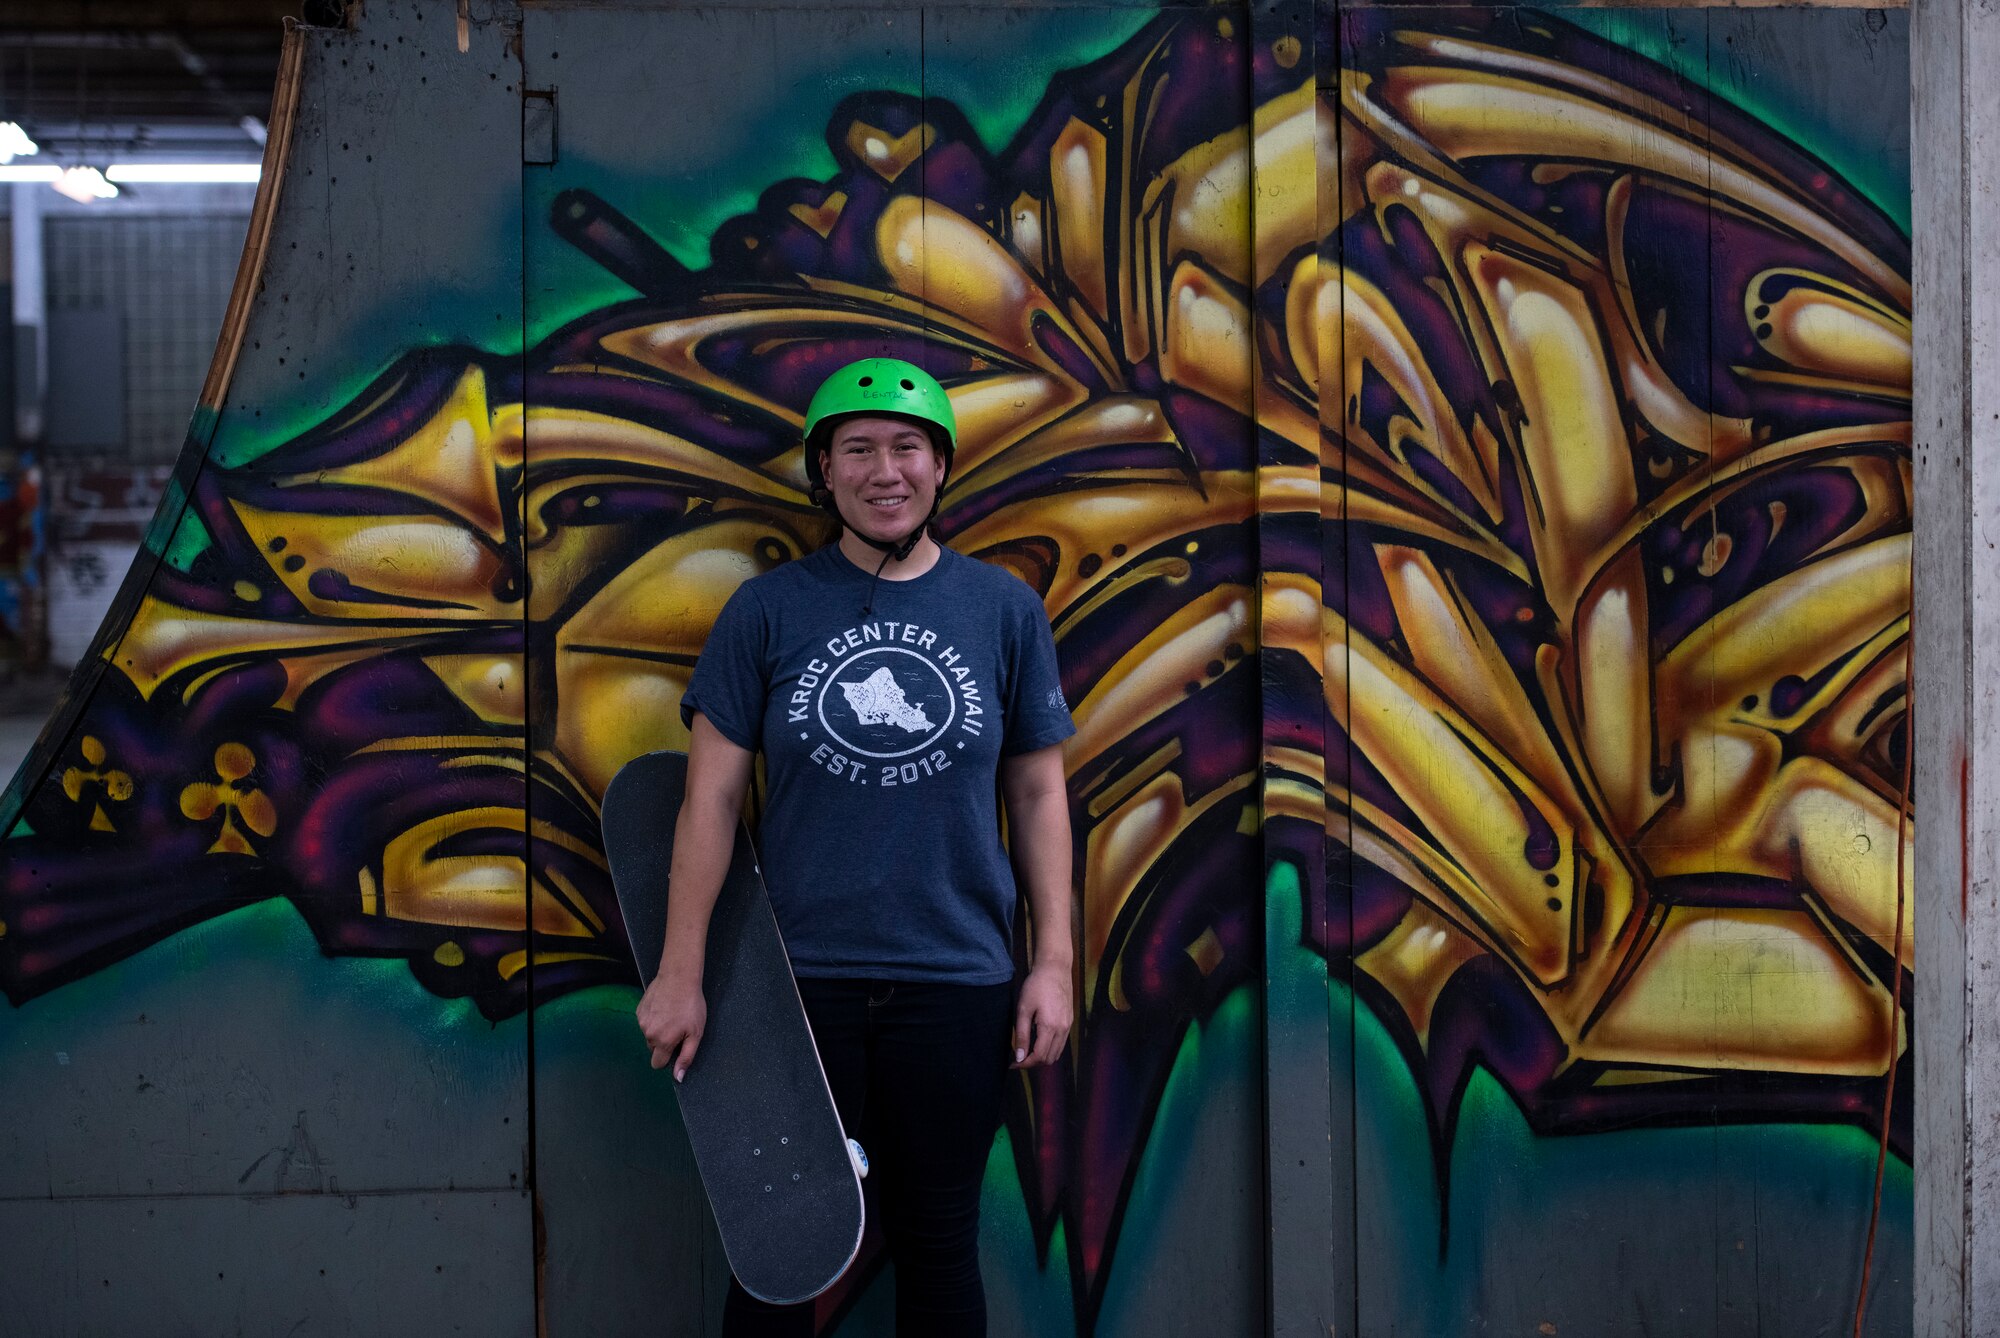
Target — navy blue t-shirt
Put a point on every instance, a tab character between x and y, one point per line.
882	737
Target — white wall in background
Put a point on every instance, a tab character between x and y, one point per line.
83	576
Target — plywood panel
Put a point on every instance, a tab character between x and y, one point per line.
243	758
658	186
1563	233
389	1264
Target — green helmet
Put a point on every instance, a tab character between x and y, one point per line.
878	387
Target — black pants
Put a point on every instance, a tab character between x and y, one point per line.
919	1070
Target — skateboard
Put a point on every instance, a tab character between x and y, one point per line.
781	1175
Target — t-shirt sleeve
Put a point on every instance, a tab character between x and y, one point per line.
1037	715
731	678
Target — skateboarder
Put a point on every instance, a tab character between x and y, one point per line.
889	683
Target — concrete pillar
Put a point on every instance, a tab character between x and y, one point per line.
1955	143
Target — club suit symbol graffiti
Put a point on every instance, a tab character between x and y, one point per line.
229	796
100	783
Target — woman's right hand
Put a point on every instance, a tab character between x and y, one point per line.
673	1018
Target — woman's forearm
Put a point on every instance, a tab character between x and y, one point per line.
704	839
1049	901
718	775
1038	823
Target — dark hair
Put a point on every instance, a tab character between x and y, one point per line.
822	530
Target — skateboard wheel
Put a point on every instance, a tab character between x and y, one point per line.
859	1158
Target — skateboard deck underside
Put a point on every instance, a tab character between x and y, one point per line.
766	1136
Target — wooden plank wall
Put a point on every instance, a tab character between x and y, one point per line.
1377	399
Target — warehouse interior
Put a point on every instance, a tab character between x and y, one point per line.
130	137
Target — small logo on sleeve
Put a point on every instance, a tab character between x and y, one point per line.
1055	700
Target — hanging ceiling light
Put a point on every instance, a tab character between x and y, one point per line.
80	183
84	184
183	172
15	143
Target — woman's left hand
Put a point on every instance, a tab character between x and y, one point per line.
1042	1017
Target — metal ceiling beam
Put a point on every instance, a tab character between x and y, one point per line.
148	14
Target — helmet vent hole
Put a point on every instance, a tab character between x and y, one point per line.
867	380
909	384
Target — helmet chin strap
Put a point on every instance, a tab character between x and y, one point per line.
897	550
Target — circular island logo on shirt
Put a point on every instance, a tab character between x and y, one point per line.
887	701
893	703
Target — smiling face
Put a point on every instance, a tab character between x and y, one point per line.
883	474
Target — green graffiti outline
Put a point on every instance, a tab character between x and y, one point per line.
1879	179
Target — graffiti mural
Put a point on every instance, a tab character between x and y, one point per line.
1622	644
1604	585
